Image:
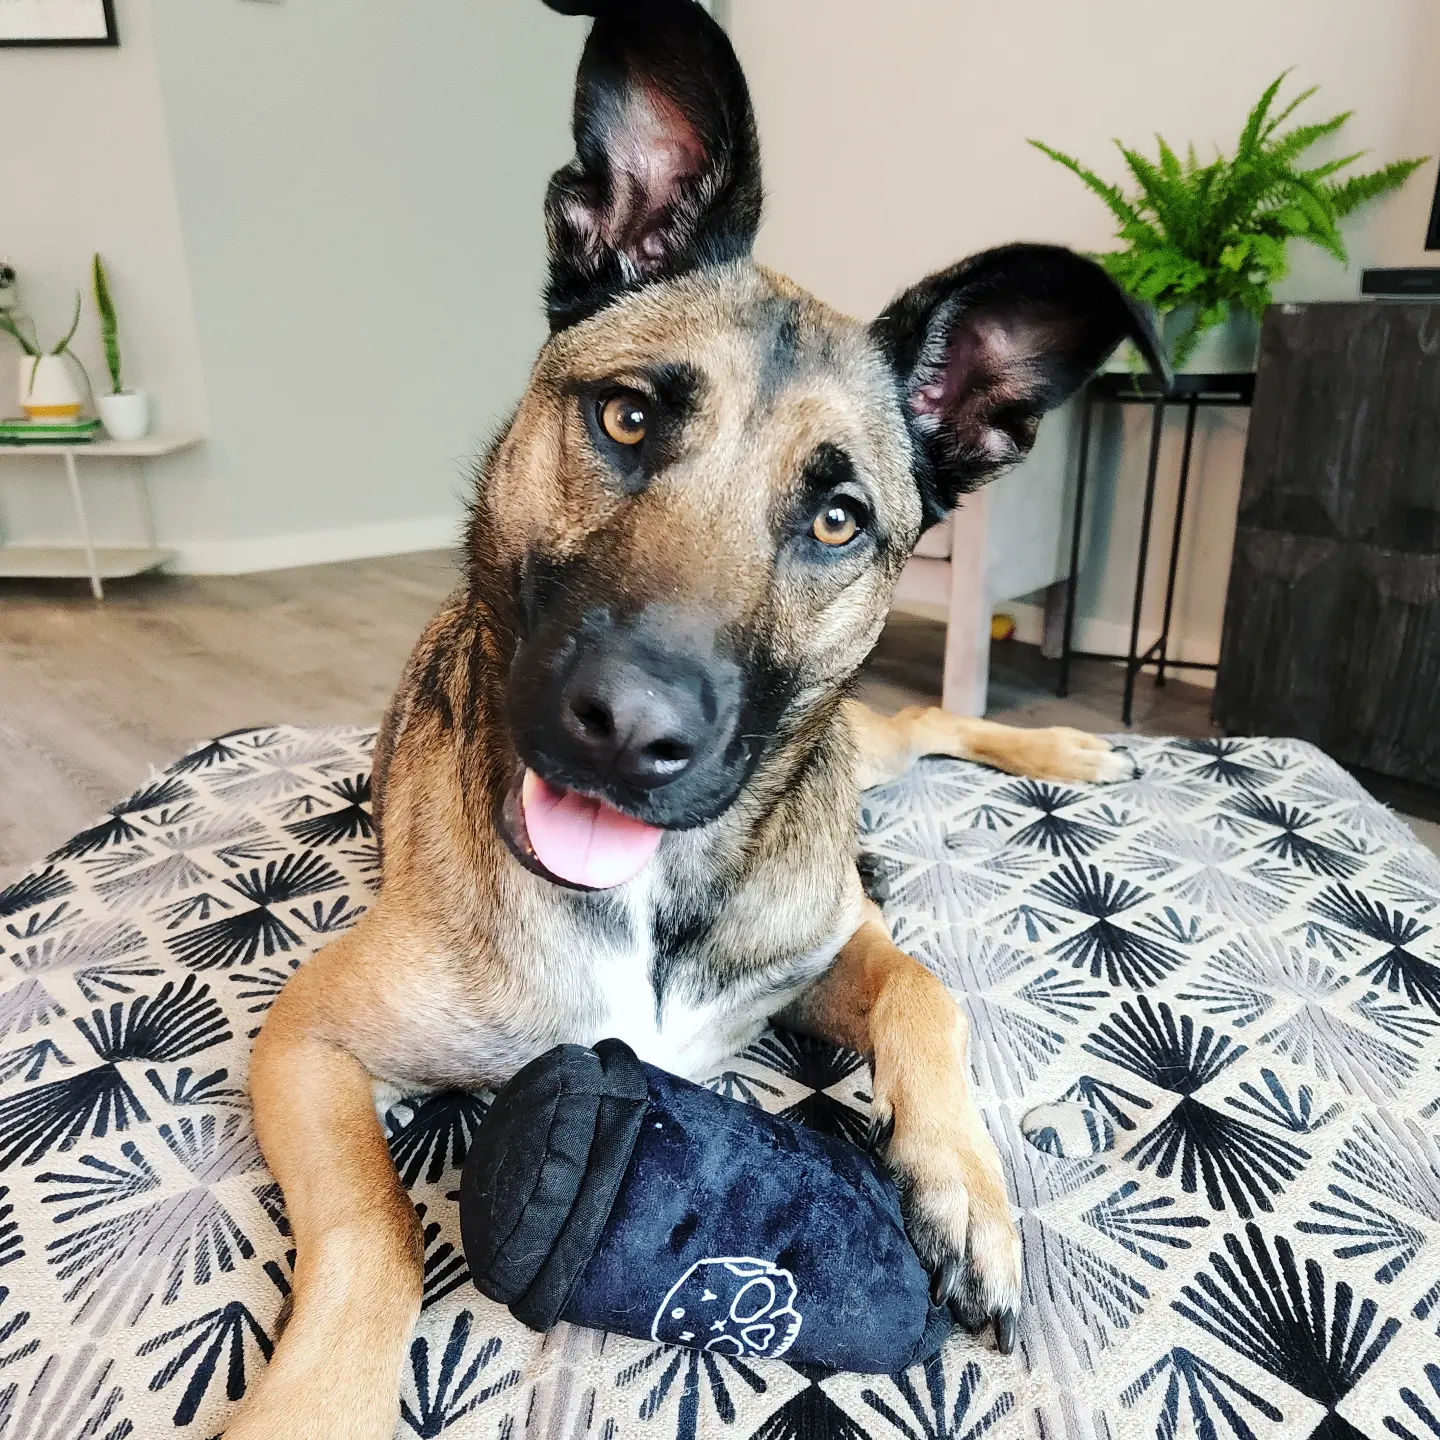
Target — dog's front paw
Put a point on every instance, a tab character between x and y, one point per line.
952	1193
1061	753
972	1254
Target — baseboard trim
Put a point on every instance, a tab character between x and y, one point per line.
1105	637
314	547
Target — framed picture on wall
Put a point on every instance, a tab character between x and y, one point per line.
58	22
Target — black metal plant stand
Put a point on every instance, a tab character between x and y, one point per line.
1191	391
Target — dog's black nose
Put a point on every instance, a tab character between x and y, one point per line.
625	719
640	710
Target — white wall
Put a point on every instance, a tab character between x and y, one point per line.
352	197
894	143
323	219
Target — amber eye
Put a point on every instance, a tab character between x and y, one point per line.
623	419
836	524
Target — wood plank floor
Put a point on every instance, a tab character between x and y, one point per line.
93	695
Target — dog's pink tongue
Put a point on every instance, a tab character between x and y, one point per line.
583	840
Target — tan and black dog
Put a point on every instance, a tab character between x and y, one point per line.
619	779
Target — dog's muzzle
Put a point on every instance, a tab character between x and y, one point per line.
623	728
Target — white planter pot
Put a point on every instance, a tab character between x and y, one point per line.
126	416
47	388
1227	349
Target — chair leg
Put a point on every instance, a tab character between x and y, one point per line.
967	634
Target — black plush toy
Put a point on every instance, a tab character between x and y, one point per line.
608	1193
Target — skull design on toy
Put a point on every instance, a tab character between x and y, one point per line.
735	1306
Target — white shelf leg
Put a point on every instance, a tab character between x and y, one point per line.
147	507
96	588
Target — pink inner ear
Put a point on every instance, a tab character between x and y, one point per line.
974	367
964	357
654	151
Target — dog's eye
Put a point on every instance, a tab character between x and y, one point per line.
624	419
837	524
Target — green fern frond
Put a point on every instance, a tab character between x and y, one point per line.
1302	137
1358	190
1169	160
1110	194
1255	120
1289	110
1332	167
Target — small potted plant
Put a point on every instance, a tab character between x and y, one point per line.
125	413
47	378
1205	244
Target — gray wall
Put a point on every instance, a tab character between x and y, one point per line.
349	216
360	190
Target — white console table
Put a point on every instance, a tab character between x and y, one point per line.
98	563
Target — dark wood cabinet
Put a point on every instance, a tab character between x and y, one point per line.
1332	621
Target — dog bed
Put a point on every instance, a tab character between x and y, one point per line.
1230	964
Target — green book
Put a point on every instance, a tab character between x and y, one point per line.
35	432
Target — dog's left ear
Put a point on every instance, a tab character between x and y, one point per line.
983	350
666	175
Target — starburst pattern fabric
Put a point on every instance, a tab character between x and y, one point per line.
1232	961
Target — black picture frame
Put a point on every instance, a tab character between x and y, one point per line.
1432	235
111	36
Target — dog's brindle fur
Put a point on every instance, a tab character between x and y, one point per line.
468	964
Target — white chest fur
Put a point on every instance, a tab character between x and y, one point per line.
683	1038
683	1033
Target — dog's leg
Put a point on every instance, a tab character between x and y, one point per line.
889	745
879	1001
335	1372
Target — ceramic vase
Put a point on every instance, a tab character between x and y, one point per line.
48	390
126	415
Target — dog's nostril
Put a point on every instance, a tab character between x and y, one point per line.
660	760
669	752
595	719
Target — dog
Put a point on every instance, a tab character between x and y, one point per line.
617	787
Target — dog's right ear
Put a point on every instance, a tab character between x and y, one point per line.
666	175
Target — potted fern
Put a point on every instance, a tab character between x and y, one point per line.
48	390
126	413
1206	244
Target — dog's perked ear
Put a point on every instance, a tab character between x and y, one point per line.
666	175
983	350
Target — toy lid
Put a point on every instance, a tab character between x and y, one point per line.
543	1172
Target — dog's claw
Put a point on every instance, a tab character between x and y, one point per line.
1005	1332
1136	773
945	1282
881	1131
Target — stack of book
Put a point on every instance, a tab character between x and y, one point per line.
46	432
